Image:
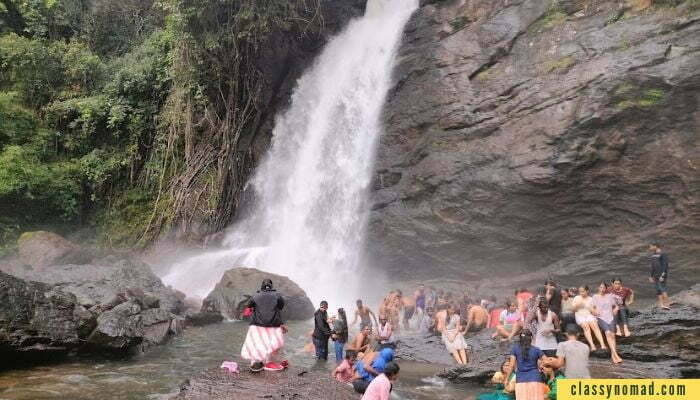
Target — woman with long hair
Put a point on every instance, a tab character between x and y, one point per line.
453	337
583	312
505	384
340	337
604	308
528	380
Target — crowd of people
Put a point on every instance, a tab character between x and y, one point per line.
545	326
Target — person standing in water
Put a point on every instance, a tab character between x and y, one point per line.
419	299
265	335
322	331
340	335
626	296
659	274
363	313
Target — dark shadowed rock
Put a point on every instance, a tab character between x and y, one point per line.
40	249
555	140
115	307
36	318
231	294
664	335
293	383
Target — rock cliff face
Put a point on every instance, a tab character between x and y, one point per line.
556	137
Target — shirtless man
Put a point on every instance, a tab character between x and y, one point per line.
360	343
441	319
477	318
363	313
409	308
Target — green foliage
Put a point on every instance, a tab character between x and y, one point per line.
126	220
554	17
17	123
628	96
561	64
459	22
42	191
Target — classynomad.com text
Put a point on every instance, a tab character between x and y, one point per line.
628	389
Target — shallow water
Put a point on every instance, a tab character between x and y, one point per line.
160	372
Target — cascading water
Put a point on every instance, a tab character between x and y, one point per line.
311	208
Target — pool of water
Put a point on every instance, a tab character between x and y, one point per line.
158	374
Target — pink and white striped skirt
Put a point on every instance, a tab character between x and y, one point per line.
261	342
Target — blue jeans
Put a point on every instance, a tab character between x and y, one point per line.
622	316
339	351
321	346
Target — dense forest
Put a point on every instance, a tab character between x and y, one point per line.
114	114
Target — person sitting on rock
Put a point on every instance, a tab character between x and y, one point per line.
265	335
360	343
509	322
385	332
380	387
477	317
626	298
345	371
371	367
583	313
505	384
453	336
552	375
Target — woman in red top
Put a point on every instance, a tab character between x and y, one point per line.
626	296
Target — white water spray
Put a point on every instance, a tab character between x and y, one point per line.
311	210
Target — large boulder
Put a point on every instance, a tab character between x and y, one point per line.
36	318
40	249
237	286
557	137
115	307
101	281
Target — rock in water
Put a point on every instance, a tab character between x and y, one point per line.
114	306
238	284
36	318
41	249
293	383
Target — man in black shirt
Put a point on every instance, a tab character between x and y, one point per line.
266	332
322	331
659	273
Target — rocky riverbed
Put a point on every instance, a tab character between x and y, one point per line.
664	344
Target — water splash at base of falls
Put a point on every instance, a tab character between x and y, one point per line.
311	210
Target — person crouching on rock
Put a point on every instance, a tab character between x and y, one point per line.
266	332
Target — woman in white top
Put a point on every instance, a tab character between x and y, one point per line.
583	307
453	337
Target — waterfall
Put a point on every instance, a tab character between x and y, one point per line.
311	210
